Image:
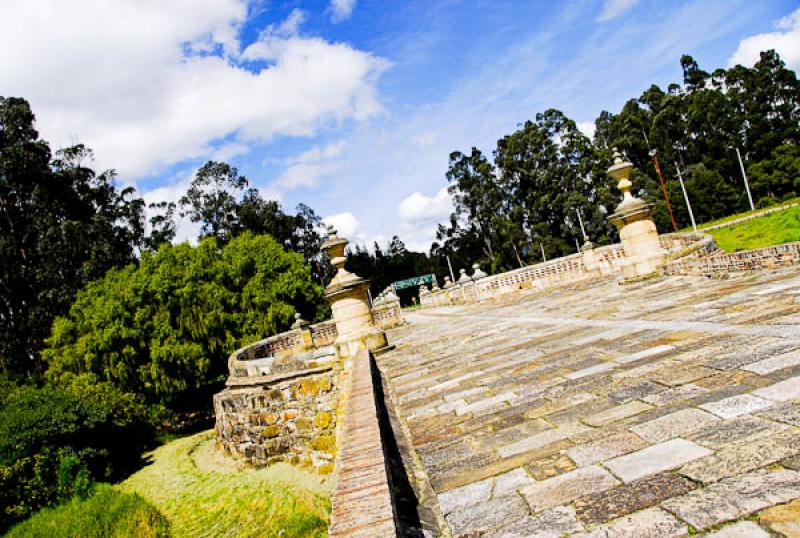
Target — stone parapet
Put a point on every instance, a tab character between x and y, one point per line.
362	504
773	257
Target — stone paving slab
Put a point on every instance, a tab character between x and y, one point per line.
656	458
735	497
736	405
674	425
742	529
652	523
593	409
567	487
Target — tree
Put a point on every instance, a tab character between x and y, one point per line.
61	225
165	327
212	199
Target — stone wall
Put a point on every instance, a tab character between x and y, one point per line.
748	260
282	395
290	418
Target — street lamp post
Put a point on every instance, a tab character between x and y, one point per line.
686	197
746	183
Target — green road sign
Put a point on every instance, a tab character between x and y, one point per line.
412	282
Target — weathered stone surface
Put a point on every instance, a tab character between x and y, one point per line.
487	516
540	440
734	498
773	364
786	412
511	482
616	413
784	519
567	487
629	498
742	529
739	459
674	425
678	394
646	353
553	523
783	391
650	523
468	495
680	376
736	405
739	429
606	448
636	391
550	466
654	459
592	370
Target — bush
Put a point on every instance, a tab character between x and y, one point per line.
106	513
54	441
164	329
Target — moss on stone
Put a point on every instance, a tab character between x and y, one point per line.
270	431
323	419
324	443
303	424
325	383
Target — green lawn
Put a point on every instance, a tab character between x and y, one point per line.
190	489
773	229
202	493
106	514
739	215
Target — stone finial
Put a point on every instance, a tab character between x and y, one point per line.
435	286
477	273
464	278
621	171
447	283
299	322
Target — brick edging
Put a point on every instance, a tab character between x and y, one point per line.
361	505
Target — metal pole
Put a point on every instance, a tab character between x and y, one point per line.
577	245
369	295
746	184
450	266
541	246
686	197
664	189
580	221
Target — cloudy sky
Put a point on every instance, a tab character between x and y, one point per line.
350	106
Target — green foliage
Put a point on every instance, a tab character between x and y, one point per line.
55	440
773	229
107	513
202	493
61	226
165	328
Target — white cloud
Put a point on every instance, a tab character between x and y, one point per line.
615	8
419	207
785	40
587	128
345	223
307	168
341	9
149	84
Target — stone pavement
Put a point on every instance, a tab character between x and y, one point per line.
662	408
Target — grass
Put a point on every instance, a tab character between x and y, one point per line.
190	489
108	513
735	216
774	229
202	493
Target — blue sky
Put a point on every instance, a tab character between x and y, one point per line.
350	106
